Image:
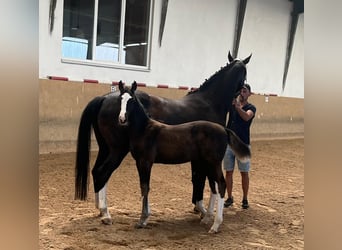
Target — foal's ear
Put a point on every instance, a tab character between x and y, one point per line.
246	60
230	58
121	87
134	86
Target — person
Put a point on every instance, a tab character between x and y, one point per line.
240	119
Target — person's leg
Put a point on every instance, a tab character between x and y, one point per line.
228	166
229	182
244	170
245	184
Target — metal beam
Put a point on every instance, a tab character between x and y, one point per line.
298	7
52	15
241	9
162	20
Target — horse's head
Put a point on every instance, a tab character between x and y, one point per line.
229	79
126	95
237	67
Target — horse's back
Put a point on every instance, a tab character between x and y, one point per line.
186	109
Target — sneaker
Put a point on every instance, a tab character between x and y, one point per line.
228	202
245	204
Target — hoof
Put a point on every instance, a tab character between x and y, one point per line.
212	231
140	225
107	221
206	219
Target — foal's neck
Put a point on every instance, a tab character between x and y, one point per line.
139	119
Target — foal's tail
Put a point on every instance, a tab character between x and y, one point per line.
88	119
241	150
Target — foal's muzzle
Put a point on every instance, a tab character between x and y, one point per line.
122	119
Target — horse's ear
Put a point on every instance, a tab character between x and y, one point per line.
121	87
245	61
230	58
134	86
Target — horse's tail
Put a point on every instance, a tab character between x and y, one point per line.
241	149
88	119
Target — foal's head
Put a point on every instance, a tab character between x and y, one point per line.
126	96
132	112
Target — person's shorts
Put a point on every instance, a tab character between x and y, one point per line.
229	161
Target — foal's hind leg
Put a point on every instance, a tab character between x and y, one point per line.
210	210
220	187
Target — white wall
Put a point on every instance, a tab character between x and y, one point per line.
197	37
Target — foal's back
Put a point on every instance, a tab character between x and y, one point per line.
173	144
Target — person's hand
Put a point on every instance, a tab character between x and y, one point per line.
237	103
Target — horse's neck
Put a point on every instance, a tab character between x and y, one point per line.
219	97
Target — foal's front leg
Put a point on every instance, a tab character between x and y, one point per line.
144	169
145	211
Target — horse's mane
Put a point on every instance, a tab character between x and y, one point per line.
211	79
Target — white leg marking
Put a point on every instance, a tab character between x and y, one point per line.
219	212
219	215
210	211
201	208
101	204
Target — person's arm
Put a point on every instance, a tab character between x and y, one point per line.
245	115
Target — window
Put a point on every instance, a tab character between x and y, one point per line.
109	31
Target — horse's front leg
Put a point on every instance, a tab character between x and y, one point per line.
101	204
144	169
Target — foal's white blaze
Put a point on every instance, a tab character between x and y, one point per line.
124	99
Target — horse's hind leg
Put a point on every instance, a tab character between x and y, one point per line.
198	183
101	173
101	157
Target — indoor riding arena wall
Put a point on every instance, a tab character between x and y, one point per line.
61	104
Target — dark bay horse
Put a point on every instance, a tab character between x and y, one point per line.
203	142
211	102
